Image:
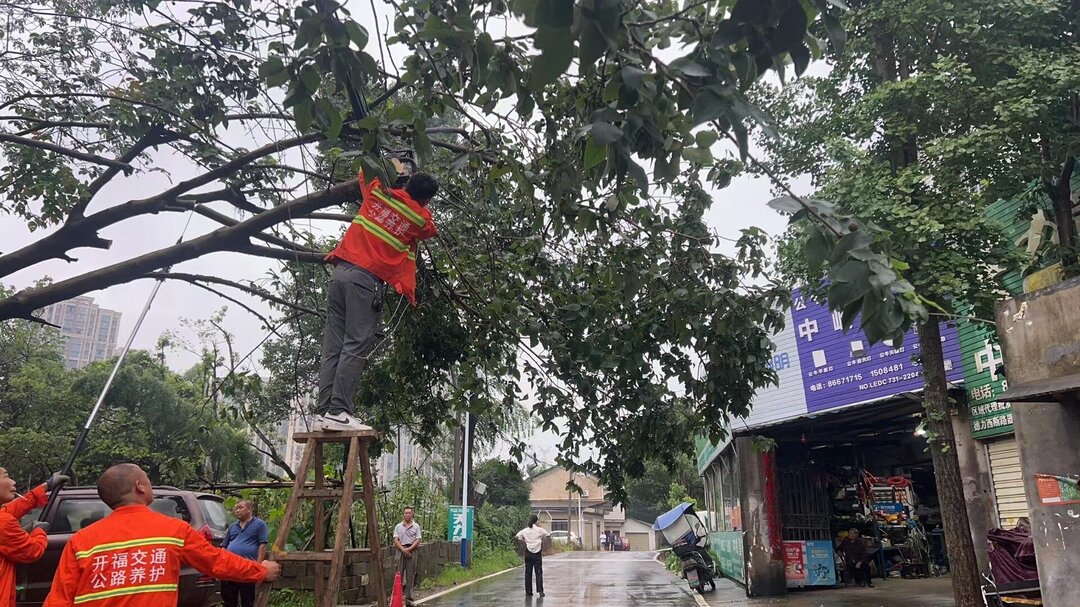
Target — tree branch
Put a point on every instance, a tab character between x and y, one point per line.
155	136
257	292
58	149
232	238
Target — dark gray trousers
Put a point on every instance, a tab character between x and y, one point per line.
353	308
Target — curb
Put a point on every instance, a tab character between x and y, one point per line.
460	586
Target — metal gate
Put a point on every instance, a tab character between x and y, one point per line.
805	506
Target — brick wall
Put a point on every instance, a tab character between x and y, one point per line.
355	578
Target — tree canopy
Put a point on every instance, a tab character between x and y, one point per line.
573	252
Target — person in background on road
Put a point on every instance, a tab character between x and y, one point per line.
132	558
533	536
247	537
603	541
18	547
856	558
378	249
407	540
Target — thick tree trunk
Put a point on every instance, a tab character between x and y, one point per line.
950	486
1061	197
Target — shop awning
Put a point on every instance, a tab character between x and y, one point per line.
1040	390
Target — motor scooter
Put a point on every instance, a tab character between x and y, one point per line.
689	541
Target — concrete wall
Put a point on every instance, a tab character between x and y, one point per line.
431	558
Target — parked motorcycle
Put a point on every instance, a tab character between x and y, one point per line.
689	541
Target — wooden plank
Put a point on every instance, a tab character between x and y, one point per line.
335	437
344	516
377	586
322	494
319	558
262	598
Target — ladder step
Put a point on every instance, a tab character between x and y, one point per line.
321	493
314	556
335	437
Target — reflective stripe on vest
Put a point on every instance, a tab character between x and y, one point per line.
146	541
108	594
381	234
400	207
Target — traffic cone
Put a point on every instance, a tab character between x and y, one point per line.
397	599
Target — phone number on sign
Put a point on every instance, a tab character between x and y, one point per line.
890	380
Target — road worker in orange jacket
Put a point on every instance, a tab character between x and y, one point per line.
378	249
18	547
132	558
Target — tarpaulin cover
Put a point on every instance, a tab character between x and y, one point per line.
1012	555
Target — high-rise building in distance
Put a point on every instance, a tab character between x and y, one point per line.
89	331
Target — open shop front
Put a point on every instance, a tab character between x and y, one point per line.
857	485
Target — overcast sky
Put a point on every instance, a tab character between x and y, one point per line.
741	205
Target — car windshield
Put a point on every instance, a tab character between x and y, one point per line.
75	513
214	512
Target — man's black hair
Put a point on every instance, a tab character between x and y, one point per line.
422	187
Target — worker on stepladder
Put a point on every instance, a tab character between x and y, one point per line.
378	249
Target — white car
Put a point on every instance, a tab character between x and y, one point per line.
564	537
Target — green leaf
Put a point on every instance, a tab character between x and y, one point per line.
604	133
333	120
302	115
800	56
706	138
421	142
593	45
271	66
357	34
309	34
836	32
816	248
791	29
555	14
556	52
710	104
309	77
698	155
595	153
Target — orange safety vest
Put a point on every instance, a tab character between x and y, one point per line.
18	547
382	238
132	558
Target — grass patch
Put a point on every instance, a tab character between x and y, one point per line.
453	573
287	597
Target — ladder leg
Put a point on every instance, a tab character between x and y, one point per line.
262	597
344	515
320	521
377	578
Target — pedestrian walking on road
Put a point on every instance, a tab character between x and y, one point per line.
407	540
533	536
248	538
17	547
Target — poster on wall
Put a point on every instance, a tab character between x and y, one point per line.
809	563
795	564
840	369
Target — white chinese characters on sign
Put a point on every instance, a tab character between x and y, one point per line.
988	359
808	328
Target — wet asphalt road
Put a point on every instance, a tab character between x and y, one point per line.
581	579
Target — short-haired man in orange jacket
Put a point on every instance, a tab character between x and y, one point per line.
132	558
18	547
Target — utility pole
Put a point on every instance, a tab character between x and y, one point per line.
465	495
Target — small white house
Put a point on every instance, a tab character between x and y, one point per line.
641	535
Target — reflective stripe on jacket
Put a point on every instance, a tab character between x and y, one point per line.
132	558
382	238
18	547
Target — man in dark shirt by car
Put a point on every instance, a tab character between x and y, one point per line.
247	537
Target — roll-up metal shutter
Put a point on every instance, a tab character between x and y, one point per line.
1008	481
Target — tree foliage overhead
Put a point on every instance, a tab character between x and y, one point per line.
573	245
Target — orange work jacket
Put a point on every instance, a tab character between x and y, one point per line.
132	558
18	547
382	238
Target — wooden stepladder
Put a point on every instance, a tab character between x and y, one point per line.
328	586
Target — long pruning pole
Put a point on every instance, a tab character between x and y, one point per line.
81	441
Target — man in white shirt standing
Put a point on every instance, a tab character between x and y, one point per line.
407	540
533	536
